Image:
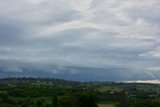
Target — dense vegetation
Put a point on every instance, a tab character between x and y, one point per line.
46	92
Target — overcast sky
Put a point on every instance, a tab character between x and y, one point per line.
85	33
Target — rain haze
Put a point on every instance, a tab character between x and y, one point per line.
85	40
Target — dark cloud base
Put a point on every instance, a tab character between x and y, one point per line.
78	74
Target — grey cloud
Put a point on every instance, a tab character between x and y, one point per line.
89	34
72	73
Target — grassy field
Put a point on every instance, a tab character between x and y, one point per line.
107	104
110	88
3	92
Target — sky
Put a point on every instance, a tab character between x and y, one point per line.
115	35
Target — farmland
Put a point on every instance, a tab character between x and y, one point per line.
47	92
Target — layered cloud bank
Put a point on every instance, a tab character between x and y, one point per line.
115	35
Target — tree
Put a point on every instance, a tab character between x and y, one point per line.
87	99
55	101
68	100
40	104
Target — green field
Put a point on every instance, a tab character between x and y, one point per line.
107	104
110	88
